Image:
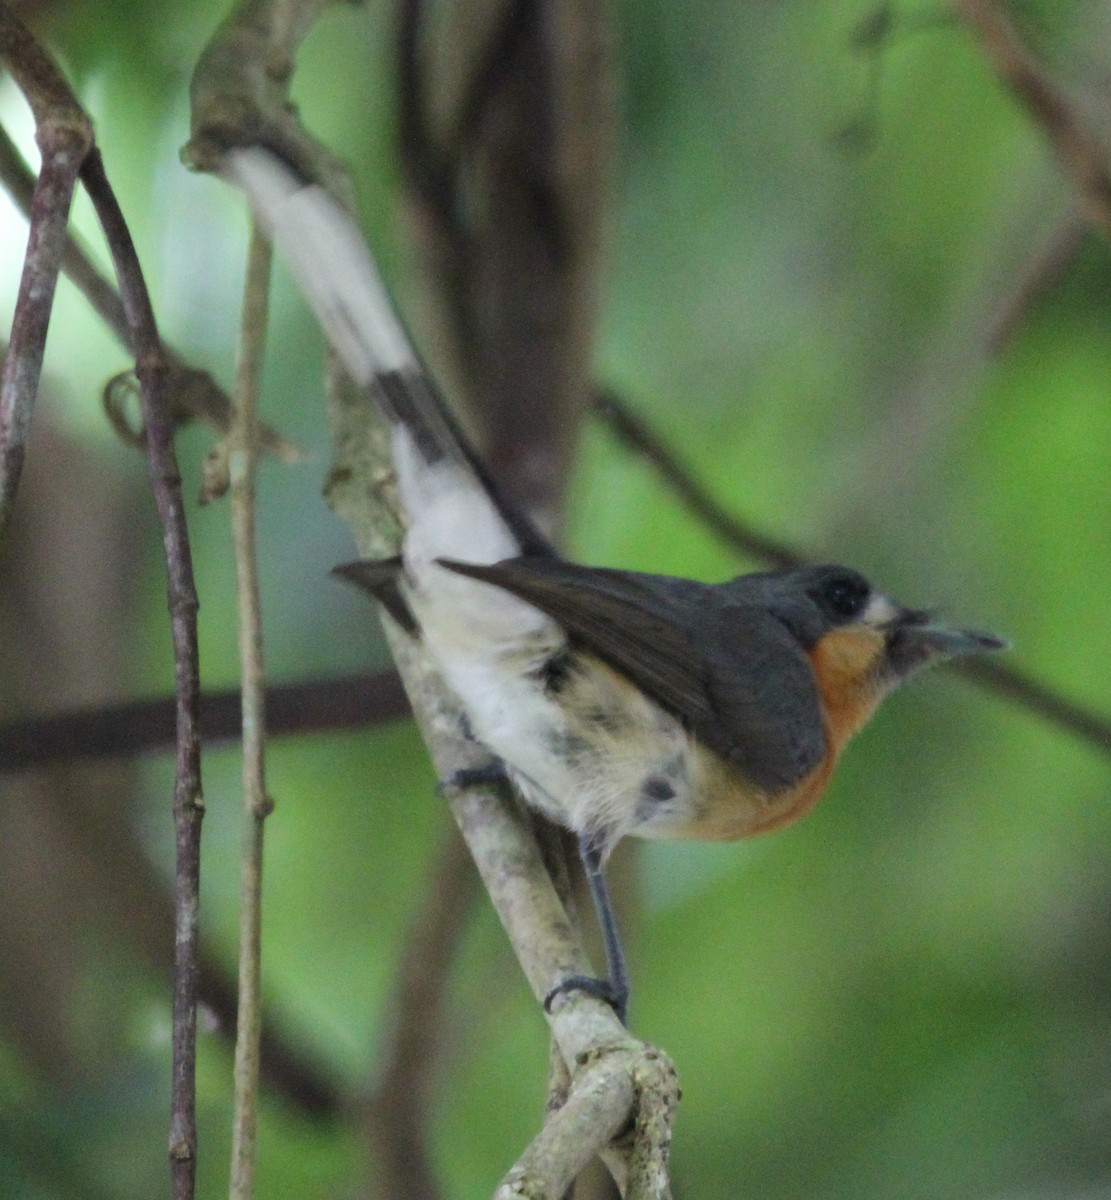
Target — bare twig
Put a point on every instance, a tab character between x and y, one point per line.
569	1140
151	368
1042	271
1040	700
1081	155
64	134
147	726
635	434
192	392
242	461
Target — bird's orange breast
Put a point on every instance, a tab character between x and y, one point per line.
729	807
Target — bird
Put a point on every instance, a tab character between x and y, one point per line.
617	703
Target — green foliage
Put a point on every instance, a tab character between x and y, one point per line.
906	995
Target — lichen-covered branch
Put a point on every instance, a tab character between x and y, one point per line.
593	1043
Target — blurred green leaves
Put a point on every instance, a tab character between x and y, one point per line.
905	995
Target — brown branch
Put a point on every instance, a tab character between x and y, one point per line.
138	727
1042	271
636	435
1039	700
64	135
151	369
1010	683
1079	152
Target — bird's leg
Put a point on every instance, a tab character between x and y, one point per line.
615	988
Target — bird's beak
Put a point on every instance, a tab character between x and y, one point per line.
916	640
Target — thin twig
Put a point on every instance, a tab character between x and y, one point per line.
1038	276
1080	153
151	369
1010	683
1038	699
242	462
635	434
64	134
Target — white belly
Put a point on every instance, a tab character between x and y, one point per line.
588	748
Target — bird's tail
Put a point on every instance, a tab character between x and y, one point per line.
329	258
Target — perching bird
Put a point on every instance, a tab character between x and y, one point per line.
618	703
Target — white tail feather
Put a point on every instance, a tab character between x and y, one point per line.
327	255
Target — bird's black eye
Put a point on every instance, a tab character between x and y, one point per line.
844	596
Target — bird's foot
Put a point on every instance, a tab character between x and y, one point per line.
604	989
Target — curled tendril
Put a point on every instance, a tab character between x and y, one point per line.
121	405
191	395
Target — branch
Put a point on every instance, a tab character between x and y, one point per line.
1079	152
151	369
147	726
1042	271
242	463
1010	683
635	435
65	135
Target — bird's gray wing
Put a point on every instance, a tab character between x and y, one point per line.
762	687
731	672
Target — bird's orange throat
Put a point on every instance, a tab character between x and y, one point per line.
846	665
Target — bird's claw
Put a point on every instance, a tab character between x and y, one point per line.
603	989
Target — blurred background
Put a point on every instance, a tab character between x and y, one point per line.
845	281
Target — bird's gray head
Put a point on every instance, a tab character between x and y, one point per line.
815	601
